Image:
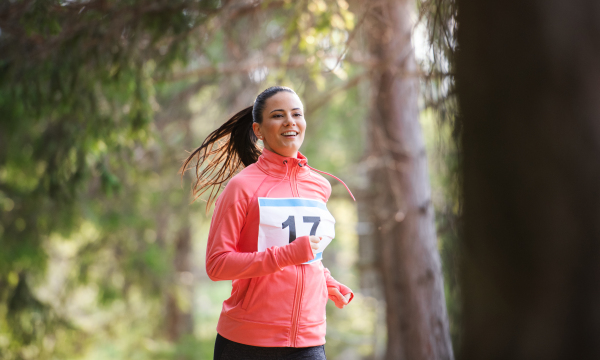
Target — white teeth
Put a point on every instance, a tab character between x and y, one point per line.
289	133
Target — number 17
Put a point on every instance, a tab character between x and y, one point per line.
291	222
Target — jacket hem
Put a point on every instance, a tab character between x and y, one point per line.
270	335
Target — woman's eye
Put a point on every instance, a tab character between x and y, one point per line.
297	114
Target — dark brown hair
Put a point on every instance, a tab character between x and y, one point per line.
228	149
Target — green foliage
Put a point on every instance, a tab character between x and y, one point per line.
75	88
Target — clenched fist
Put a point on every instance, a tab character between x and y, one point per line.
337	297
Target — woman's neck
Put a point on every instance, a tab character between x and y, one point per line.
294	155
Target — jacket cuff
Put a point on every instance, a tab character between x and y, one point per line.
296	253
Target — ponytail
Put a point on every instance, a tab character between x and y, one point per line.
228	149
224	152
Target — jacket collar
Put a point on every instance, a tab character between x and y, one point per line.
278	166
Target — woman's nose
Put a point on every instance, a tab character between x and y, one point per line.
289	120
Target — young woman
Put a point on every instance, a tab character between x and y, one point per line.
268	231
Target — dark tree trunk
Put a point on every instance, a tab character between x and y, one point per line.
401	207
529	91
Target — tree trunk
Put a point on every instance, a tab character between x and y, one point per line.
175	213
401	207
371	284
529	90
179	320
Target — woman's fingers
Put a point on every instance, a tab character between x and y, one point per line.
338	299
343	299
314	242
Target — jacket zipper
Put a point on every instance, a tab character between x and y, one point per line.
298	301
293	181
300	272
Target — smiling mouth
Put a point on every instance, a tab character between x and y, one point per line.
290	134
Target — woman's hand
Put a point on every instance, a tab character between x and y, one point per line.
314	243
338	299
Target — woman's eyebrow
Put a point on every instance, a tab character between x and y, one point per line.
284	110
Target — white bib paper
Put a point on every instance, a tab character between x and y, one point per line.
282	220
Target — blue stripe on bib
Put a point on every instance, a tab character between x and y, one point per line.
291	202
318	256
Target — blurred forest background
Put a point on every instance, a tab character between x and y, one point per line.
102	255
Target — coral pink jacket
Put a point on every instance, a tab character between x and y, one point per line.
275	300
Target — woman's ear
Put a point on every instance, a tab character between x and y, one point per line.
256	129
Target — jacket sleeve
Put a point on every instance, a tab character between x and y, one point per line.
224	262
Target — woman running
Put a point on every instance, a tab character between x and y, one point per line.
268	231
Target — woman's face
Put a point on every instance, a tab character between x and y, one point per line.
283	124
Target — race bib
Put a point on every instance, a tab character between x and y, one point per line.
284	220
